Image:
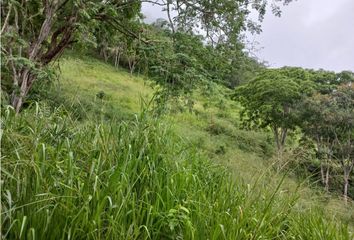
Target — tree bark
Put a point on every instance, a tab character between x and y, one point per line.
45	30
6	22
276	137
325	174
132	62
346	185
327	179
117	58
280	135
323	180
284	133
23	81
26	80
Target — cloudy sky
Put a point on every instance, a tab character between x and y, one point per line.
311	33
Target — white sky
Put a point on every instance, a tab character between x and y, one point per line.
311	34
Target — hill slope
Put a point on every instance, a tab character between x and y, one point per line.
213	126
103	168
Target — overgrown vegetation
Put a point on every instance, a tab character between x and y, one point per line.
36	33
319	104
81	160
135	180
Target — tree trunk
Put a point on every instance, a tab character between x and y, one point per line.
6	22
276	137
323	178
25	78
132	68
325	174
26	81
131	63
319	156
327	179
283	135
280	135
117	59
105	55
346	186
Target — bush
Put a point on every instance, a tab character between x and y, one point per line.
216	129
256	142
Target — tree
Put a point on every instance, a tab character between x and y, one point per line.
269	100
327	81
328	119
35	33
342	118
315	116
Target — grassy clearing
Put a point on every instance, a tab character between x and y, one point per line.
91	168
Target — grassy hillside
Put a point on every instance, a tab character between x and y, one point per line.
213	126
213	129
94	164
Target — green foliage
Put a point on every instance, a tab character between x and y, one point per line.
254	142
36	33
320	103
327	81
75	169
178	62
217	129
269	98
268	101
131	180
319	230
327	119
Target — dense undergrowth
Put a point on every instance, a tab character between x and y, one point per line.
65	179
89	163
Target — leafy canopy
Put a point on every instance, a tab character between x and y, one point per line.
268	100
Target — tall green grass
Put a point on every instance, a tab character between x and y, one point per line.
97	179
